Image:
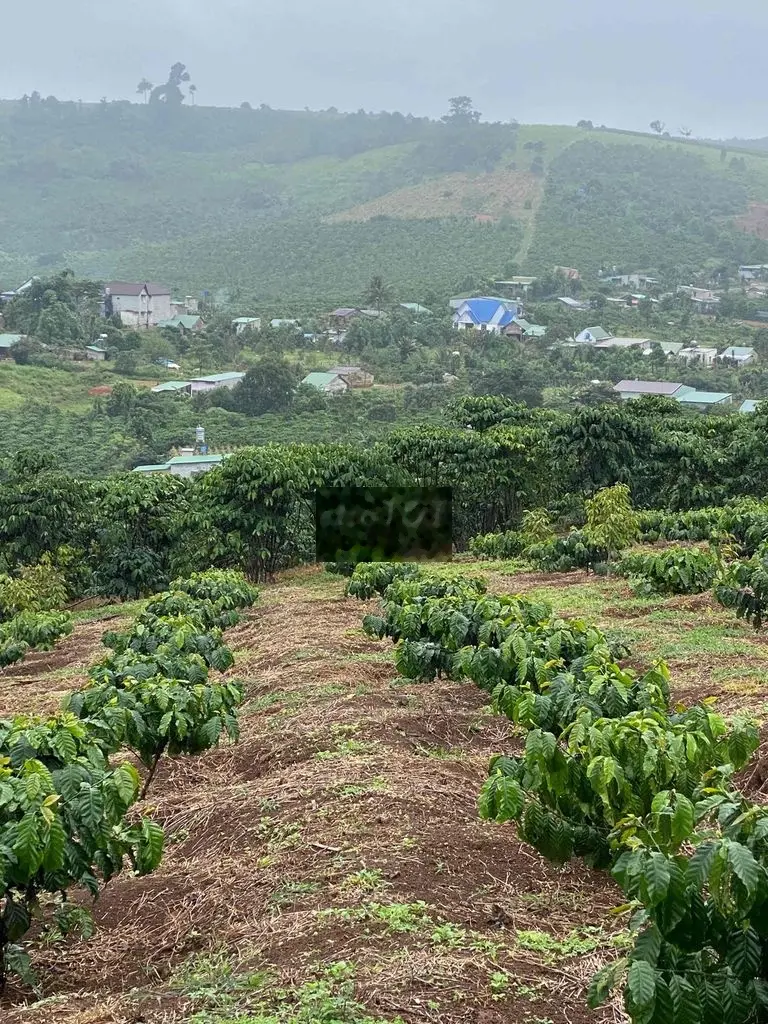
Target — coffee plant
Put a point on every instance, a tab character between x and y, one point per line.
743	587
31	630
64	807
673	571
63	827
612	774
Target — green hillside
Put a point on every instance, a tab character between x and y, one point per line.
286	205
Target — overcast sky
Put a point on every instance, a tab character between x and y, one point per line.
693	63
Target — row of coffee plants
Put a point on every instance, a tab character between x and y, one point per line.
672	571
63	803
612	774
31	630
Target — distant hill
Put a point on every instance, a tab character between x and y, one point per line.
288	206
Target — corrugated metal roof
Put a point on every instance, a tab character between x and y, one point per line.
650	387
703	397
320	380
152	469
189	460
594	334
6	340
246	320
749	405
187	320
95	348
218	378
738	352
171	385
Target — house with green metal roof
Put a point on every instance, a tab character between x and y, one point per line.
173	386
328	383
522	328
704	399
184	465
414	307
95	352
749	405
7	341
186	322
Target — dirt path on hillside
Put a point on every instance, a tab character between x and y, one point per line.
342	827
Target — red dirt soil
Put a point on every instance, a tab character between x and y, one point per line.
342	768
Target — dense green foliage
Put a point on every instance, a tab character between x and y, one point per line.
609	204
209	198
672	571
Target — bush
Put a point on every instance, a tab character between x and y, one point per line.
566	553
674	571
36	588
498	545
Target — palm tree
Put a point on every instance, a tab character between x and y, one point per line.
192	91
144	88
379	293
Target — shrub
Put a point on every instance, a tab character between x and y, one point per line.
566	553
36	588
674	571
611	521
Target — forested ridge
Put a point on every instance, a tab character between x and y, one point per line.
207	198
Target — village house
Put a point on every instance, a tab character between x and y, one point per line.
246	324
524	330
416	308
355	376
279	322
682	393
185	466
7	341
695	353
573	304
138	305
182	387
592	335
704	299
341	318
185	323
328	382
486	314
643	343
669	348
629	389
703	400
569	273
740	354
749	405
188	306
215	380
96	353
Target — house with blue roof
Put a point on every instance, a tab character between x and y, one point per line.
486	314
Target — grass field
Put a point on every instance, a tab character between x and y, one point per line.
332	865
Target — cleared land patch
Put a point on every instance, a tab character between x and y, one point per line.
502	193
